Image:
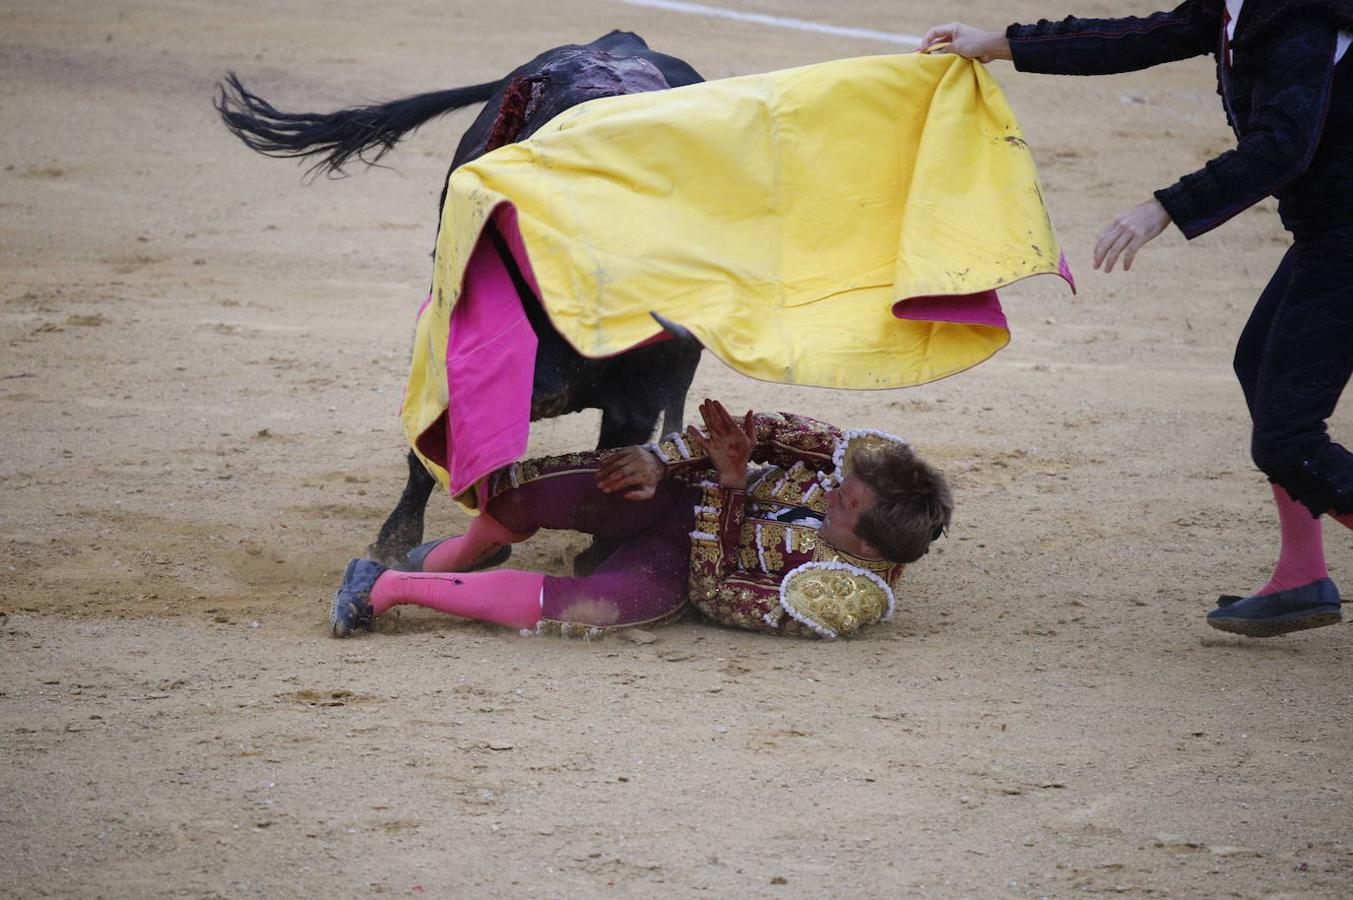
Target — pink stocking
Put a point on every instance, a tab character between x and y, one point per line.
1301	557
484	536
505	597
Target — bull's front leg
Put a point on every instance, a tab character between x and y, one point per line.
621	426
403	528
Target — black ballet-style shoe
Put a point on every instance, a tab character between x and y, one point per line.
1310	606
351	607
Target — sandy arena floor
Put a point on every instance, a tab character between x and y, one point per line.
201	360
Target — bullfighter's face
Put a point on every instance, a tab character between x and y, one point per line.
844	508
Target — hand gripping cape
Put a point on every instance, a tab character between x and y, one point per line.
842	225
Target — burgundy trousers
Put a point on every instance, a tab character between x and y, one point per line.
644	580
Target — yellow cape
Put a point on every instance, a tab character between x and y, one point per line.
778	217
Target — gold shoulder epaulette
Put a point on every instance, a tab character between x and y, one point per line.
835	599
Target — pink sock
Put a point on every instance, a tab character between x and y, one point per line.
506	597
484	536
1301	556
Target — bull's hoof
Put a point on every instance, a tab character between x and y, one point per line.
586	563
413	560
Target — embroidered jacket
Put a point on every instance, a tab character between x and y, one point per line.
757	560
1289	103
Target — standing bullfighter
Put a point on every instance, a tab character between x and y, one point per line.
1285	76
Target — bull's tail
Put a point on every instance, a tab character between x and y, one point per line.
364	132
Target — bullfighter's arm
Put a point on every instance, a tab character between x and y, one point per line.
782	439
1103	46
1291	103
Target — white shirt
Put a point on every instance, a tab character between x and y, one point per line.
1233	8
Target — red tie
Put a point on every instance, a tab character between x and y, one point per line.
1226	35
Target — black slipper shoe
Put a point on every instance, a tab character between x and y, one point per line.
351	606
1309	606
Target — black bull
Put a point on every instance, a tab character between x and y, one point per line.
632	388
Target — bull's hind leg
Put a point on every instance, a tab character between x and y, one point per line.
597	552
647	383
621	426
403	528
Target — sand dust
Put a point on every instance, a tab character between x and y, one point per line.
202	361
